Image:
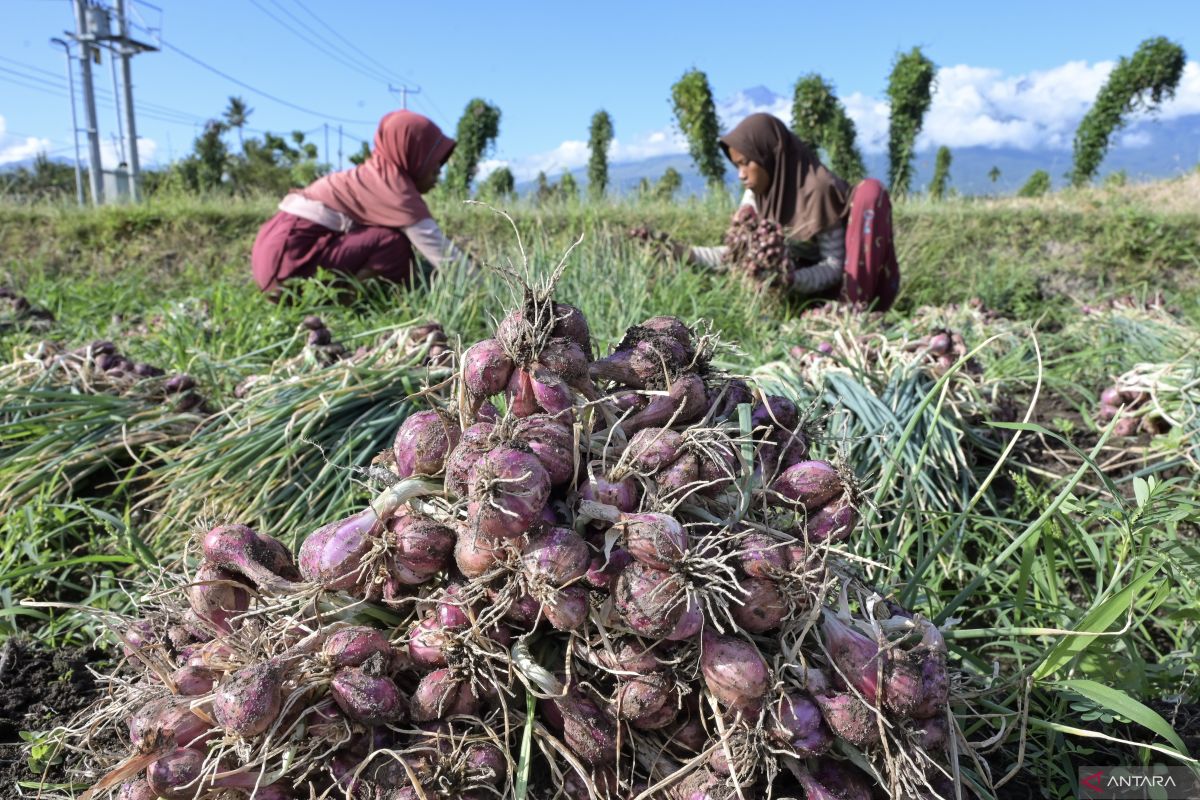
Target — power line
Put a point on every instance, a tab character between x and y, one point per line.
313	39
260	92
385	69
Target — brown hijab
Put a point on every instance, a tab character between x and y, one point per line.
804	197
382	190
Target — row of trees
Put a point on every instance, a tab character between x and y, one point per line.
275	163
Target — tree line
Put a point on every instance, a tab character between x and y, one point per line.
275	163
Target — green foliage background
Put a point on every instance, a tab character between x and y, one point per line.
476	132
600	137
910	90
1138	83
696	114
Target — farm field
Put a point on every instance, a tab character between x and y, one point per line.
1056	548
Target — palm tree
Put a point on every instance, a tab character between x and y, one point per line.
236	116
994	174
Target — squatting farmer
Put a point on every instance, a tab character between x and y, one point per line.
839	240
365	221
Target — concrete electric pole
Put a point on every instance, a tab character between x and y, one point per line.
86	49
93	25
126	50
74	121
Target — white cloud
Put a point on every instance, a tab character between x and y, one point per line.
488	166
971	107
110	156
1187	96
870	120
976	106
19	148
1136	138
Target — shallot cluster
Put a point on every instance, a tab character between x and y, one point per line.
640	551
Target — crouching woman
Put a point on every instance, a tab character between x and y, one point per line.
839	240
364	222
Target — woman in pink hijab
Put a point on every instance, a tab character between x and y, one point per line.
365	221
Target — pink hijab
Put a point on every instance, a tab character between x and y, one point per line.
382	191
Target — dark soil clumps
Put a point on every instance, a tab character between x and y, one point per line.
39	688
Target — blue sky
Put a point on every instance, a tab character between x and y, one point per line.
1016	77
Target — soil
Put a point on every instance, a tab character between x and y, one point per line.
39	688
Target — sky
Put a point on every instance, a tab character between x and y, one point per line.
1017	77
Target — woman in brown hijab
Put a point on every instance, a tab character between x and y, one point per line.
365	221
853	259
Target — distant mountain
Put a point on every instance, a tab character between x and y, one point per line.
1173	147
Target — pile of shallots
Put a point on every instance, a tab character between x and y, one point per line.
757	248
617	577
100	367
1132	412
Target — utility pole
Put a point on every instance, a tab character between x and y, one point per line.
82	35
341	164
74	122
404	92
126	50
120	138
327	143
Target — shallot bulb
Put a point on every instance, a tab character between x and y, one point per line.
624	493
168	717
477	554
565	358
508	490
567	609
775	413
353	646
570	323
650	601
680	479
683	402
762	609
652	450
812	484
217	596
365	698
762	557
798	724
725	398
552	442
833	780
832	522
556	556
421	545
552	393
734	671
486	368
856	655
192	681
522	402
333	555
137	789
426	641
440	694
655	539
249	702
179	775
643	696
849	718
240	550
475	441
588	729
422	443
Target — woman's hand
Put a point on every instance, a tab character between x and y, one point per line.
661	244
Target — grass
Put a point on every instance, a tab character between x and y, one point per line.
1066	562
